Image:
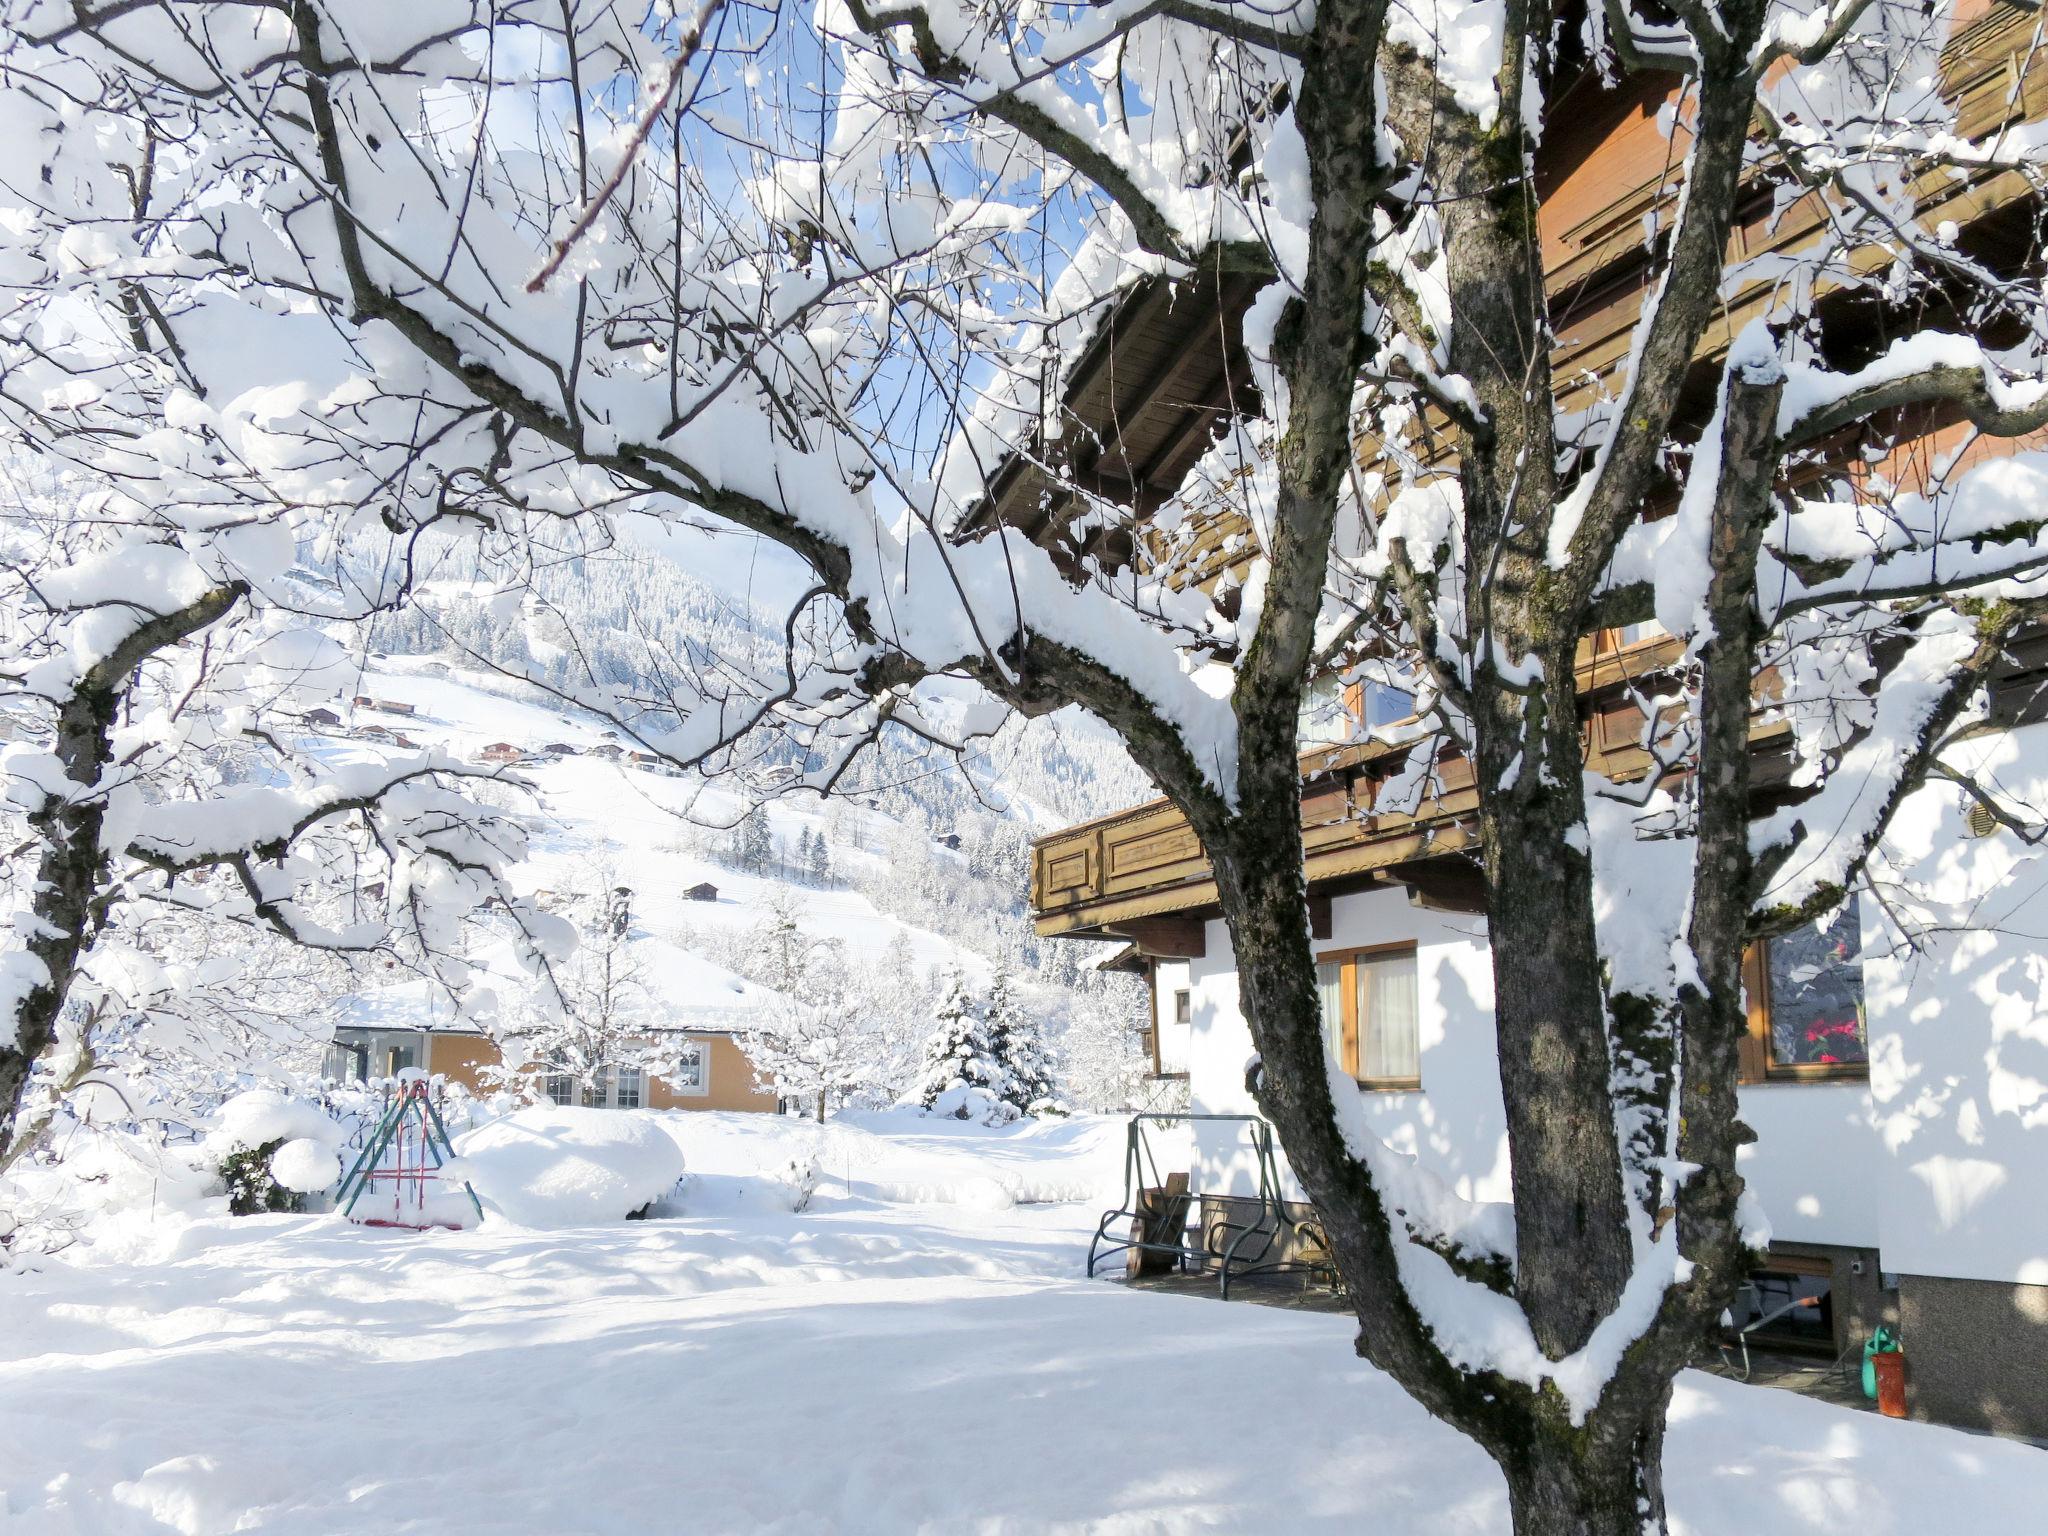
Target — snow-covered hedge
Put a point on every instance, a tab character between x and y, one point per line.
551	1166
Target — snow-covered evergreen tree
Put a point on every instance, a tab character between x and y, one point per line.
753	844
1030	1076
962	1077
820	861
987	1058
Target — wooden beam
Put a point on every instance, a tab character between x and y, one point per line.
1442	885
1165	938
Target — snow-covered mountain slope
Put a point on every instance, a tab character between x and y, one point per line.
925	861
592	818
896	910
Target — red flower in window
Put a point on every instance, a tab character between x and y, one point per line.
1822	1032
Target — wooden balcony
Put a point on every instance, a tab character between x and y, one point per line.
1141	874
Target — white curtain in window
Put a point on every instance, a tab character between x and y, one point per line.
1388	1007
1329	984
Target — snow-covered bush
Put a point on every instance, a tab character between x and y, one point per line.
799	1177
271	1151
553	1166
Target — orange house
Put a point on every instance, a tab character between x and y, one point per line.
713	1072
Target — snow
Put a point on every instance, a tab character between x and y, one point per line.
262	1115
557	1166
305	1165
865	1365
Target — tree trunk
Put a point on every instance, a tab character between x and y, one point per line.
72	870
1563	1484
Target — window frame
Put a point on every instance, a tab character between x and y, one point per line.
1184	1005
618	1088
702	1088
1757	1061
1350	1039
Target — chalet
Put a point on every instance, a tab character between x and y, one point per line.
501	752
703	890
1895	1088
322	719
610	751
644	759
559	749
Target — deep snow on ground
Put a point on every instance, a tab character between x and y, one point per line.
917	1351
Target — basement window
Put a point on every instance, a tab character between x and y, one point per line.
1789	1305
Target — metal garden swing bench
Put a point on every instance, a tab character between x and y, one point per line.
1157	1205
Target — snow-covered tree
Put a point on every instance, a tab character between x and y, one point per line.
783	326
819	860
1016	1041
153	660
753	846
815	1054
593	1011
961	1076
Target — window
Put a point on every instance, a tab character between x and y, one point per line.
626	1088
1324	719
1382	704
1806	1012
691	1073
1332	714
1371	1007
1789	1303
561	1088
1627	635
1183	1007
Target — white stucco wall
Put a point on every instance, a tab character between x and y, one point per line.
1169	977
1959	1037
1455	1123
1940	1161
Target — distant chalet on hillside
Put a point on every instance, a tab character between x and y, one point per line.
609	750
501	752
384	706
704	890
322	717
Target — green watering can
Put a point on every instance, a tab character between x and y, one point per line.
1882	1342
